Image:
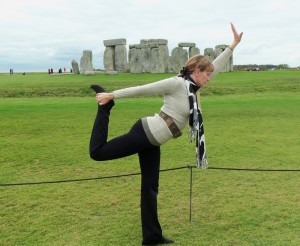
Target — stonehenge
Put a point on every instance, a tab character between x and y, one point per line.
148	56
152	56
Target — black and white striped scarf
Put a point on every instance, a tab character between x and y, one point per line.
196	130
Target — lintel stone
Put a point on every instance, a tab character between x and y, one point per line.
154	45
132	46
158	41
145	46
138	46
186	44
114	42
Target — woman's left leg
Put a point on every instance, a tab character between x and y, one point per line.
150	164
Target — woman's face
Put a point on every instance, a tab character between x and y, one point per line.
201	78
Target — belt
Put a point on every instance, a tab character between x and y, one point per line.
171	124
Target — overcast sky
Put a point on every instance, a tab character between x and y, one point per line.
38	34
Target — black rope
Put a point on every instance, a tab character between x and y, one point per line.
134	174
84	179
253	169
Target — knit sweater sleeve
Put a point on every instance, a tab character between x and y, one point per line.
162	87
221	60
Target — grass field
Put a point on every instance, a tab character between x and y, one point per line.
251	120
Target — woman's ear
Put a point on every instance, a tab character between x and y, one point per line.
197	72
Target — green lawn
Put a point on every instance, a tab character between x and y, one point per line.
251	121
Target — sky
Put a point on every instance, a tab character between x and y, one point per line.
39	34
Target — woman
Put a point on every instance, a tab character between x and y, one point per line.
147	134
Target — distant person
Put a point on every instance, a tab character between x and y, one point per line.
60	70
11	71
65	70
51	70
149	133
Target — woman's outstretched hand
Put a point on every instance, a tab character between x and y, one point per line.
237	37
104	98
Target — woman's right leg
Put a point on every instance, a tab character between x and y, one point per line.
100	129
130	143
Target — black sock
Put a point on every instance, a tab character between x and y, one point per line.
97	88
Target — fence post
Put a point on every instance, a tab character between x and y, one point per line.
191	190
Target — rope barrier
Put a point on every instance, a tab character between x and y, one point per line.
135	174
253	169
164	170
84	179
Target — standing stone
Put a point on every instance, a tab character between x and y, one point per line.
209	54
162	45
157	61
109	59
164	51
193	51
86	61
120	57
127	68
135	60
220	48
228	66
179	57
75	67
146	57
131	46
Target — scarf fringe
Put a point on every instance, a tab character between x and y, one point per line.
202	164
192	134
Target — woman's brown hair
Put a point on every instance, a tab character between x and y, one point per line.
197	62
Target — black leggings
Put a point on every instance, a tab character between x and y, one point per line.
135	141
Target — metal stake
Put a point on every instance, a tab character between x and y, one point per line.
191	189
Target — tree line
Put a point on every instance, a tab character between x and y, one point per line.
256	67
